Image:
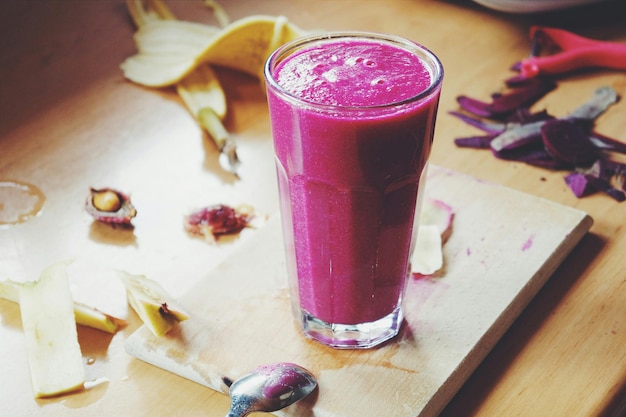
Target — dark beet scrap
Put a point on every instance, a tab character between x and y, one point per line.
570	143
502	105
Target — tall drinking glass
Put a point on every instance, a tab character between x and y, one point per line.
352	118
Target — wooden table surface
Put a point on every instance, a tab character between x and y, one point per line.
69	120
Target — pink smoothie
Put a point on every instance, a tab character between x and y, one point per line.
349	172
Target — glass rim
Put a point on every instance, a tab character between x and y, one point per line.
431	60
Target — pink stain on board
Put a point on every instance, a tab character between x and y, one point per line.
419	290
529	242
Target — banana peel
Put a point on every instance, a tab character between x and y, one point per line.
180	53
169	50
204	97
245	44
201	89
155	307
84	314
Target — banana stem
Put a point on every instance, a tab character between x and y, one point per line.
210	121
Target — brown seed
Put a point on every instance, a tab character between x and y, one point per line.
107	201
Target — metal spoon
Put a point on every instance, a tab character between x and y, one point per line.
270	388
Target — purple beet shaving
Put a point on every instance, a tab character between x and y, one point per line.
608	170
524	115
578	183
602	169
477	142
513	132
599	177
488	127
523	95
532	153
516	80
567	142
541	158
605	186
606	143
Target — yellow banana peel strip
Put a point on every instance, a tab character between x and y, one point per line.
201	89
169	50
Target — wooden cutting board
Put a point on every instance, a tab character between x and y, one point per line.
504	246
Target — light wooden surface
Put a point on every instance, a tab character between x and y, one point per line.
68	121
503	248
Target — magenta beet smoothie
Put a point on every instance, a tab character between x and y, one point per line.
352	142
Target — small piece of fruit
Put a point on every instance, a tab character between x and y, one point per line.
435	227
154	306
88	316
214	221
83	314
427	256
10	291
437	213
99	296
54	355
98	293
110	206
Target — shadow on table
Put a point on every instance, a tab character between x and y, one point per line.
617	405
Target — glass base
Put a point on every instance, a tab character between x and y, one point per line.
352	336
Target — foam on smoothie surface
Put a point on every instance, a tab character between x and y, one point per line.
353	73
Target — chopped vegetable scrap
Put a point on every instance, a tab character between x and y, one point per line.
156	308
52	347
503	105
214	221
513	132
427	256
435	227
110	206
98	295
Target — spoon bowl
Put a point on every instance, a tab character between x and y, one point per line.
270	388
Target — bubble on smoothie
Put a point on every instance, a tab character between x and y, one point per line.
319	68
331	75
370	63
